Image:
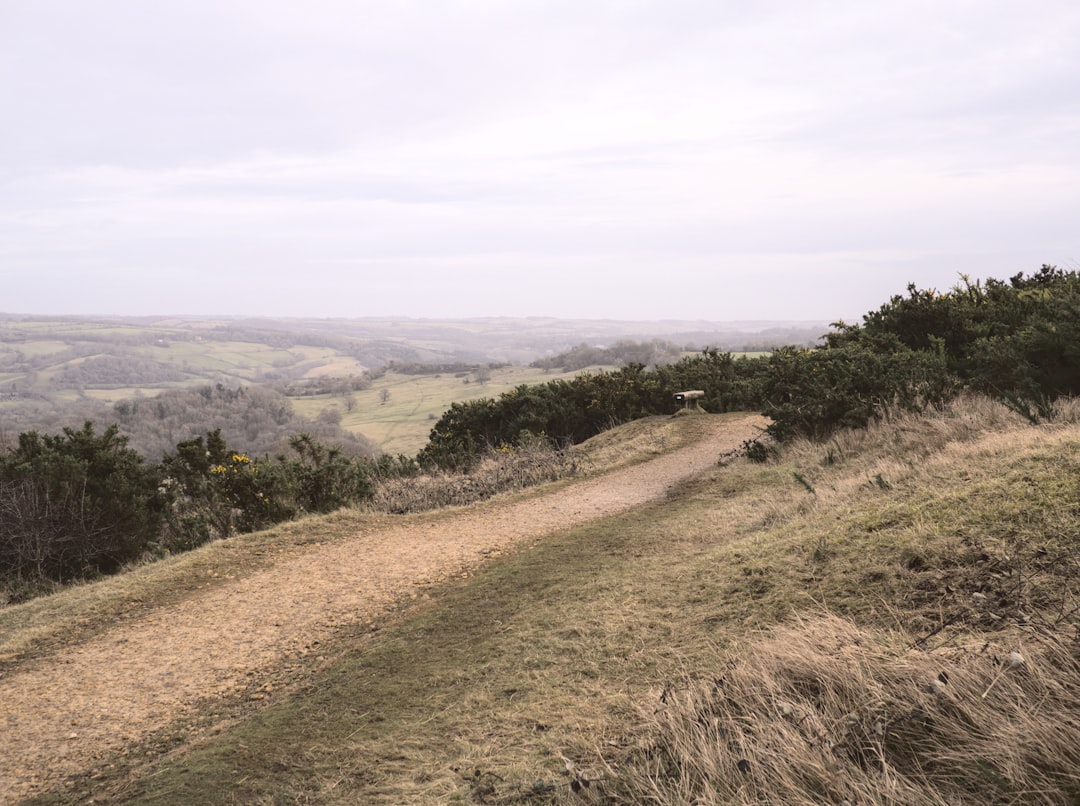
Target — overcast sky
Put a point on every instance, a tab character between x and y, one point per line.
644	159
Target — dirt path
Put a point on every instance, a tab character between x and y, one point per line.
66	714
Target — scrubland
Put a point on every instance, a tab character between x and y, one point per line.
889	616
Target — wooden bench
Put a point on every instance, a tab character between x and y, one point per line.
689	399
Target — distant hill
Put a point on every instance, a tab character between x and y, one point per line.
42	354
59	370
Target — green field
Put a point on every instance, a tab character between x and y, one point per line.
401	422
38	358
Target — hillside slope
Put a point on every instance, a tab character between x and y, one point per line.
83	701
836	623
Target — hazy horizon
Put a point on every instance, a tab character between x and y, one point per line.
382	318
685	160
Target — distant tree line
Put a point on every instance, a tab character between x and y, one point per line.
328	385
118	371
259	418
446	367
621	353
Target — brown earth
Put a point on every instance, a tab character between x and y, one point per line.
67	712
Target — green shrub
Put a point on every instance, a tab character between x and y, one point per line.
570	411
813	392
322	479
76	504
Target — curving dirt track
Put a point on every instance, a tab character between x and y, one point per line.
67	712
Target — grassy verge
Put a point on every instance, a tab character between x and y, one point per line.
594	665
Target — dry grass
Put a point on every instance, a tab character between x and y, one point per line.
641	439
949	541
825	712
500	471
507	469
923	540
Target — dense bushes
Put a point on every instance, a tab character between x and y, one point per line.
217	491
1018	340
569	411
1017	337
80	504
76	503
813	392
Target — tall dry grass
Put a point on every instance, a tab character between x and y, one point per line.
893	449
912	435
826	712
974	698
501	470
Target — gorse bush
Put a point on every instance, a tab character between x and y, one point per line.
1016	336
76	503
1018	340
813	392
81	503
218	491
571	411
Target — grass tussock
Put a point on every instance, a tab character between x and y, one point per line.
908	436
826	712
